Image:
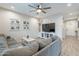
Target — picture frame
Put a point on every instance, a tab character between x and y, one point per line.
14	24
25	25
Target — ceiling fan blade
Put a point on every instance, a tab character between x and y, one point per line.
31	6
47	8
43	11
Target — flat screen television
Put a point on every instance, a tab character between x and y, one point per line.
50	27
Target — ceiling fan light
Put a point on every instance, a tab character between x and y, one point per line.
38	10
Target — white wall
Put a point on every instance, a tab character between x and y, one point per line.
5	17
70	27
58	19
59	26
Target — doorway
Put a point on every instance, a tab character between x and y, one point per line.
70	27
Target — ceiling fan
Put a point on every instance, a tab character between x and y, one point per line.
39	8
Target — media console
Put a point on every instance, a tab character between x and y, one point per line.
46	34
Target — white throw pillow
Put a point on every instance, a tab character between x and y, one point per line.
27	40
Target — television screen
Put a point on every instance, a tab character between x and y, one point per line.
48	27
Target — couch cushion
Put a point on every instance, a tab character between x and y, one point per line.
34	46
43	42
27	50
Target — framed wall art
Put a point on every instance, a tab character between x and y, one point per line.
14	24
25	25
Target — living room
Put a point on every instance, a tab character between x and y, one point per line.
25	22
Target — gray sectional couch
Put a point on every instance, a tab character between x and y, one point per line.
52	49
38	47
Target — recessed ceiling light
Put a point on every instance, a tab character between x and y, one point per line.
70	14
12	7
69	4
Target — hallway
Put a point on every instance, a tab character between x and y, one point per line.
70	47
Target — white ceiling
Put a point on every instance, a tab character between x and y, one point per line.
57	8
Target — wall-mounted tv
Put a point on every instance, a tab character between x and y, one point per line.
50	27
